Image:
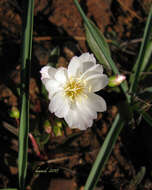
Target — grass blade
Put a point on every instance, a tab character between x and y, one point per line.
104	153
138	178
146	117
144	114
25	68
102	48
95	48
144	54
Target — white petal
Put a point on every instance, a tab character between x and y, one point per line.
47	72
96	69
74	120
52	87
61	75
86	57
82	114
85	107
73	66
77	119
96	103
59	105
97	82
79	65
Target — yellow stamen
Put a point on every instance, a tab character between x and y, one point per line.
74	88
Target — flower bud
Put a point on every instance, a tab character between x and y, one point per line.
57	129
14	113
47	127
116	80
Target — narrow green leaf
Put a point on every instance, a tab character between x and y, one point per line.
148	52
144	54
147	118
144	96
105	54
149	89
25	73
145	115
94	46
104	153
138	178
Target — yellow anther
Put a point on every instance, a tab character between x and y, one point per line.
73	88
90	88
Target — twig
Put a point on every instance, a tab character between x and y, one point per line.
59	159
129	72
10	128
133	13
14	130
130	42
48	38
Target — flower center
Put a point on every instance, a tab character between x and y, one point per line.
74	88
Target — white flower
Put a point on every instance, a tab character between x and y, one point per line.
71	90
